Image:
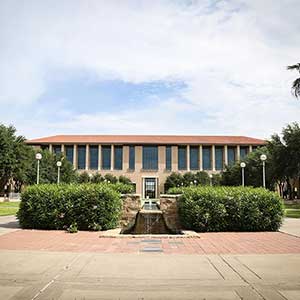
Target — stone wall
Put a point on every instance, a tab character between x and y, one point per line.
168	205
131	206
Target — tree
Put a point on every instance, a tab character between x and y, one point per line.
296	83
124	179
253	170
48	169
14	156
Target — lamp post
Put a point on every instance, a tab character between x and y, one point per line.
38	157
243	165
210	179
263	158
58	171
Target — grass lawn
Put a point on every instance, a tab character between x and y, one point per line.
292	210
9	208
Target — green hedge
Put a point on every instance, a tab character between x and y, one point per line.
89	206
229	209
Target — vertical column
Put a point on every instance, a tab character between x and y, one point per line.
238	153
200	158
250	148
50	148
188	157
99	157
63	150
112	156
87	156
125	158
225	155
161	158
213	156
75	157
174	151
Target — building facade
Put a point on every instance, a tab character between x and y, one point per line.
148	160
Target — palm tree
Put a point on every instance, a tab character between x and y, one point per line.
296	83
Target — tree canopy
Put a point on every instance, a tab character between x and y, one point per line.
296	83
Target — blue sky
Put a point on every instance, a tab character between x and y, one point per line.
148	67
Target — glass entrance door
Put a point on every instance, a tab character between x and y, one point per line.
150	188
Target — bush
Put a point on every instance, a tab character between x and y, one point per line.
121	187
229	209
89	206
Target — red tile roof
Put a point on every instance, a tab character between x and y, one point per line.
147	139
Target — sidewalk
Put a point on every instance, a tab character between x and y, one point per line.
291	226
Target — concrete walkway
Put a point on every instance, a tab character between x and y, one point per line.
63	275
95	270
8	224
291	226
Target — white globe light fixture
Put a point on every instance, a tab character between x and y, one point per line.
58	164
243	165
38	157
263	158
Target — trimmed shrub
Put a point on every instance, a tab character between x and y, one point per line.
89	206
229	209
121	187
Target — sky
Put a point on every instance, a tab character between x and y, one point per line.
148	67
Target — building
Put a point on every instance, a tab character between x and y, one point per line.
148	159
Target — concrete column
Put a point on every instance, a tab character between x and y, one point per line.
188	157
87	156
138	158
99	157
250	148
50	148
75	156
63	149
161	158
225	155
174	151
112	156
238	153
213	157
200	158
125	166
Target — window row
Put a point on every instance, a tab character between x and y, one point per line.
150	157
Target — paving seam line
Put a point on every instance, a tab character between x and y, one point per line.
293	235
244	279
64	269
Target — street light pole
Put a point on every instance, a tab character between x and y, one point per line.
210	179
58	164
38	157
243	165
263	158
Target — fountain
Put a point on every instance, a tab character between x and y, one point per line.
149	220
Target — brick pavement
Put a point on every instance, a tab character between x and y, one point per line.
205	243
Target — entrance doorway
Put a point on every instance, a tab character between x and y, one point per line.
150	188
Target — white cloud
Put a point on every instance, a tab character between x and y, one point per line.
232	57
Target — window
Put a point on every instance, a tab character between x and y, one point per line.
182	158
231	155
150	158
94	156
168	158
243	152
45	147
131	157
81	157
194	157
118	158
106	157
57	149
254	148
70	153
219	158
206	158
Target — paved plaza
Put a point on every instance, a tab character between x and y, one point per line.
37	264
